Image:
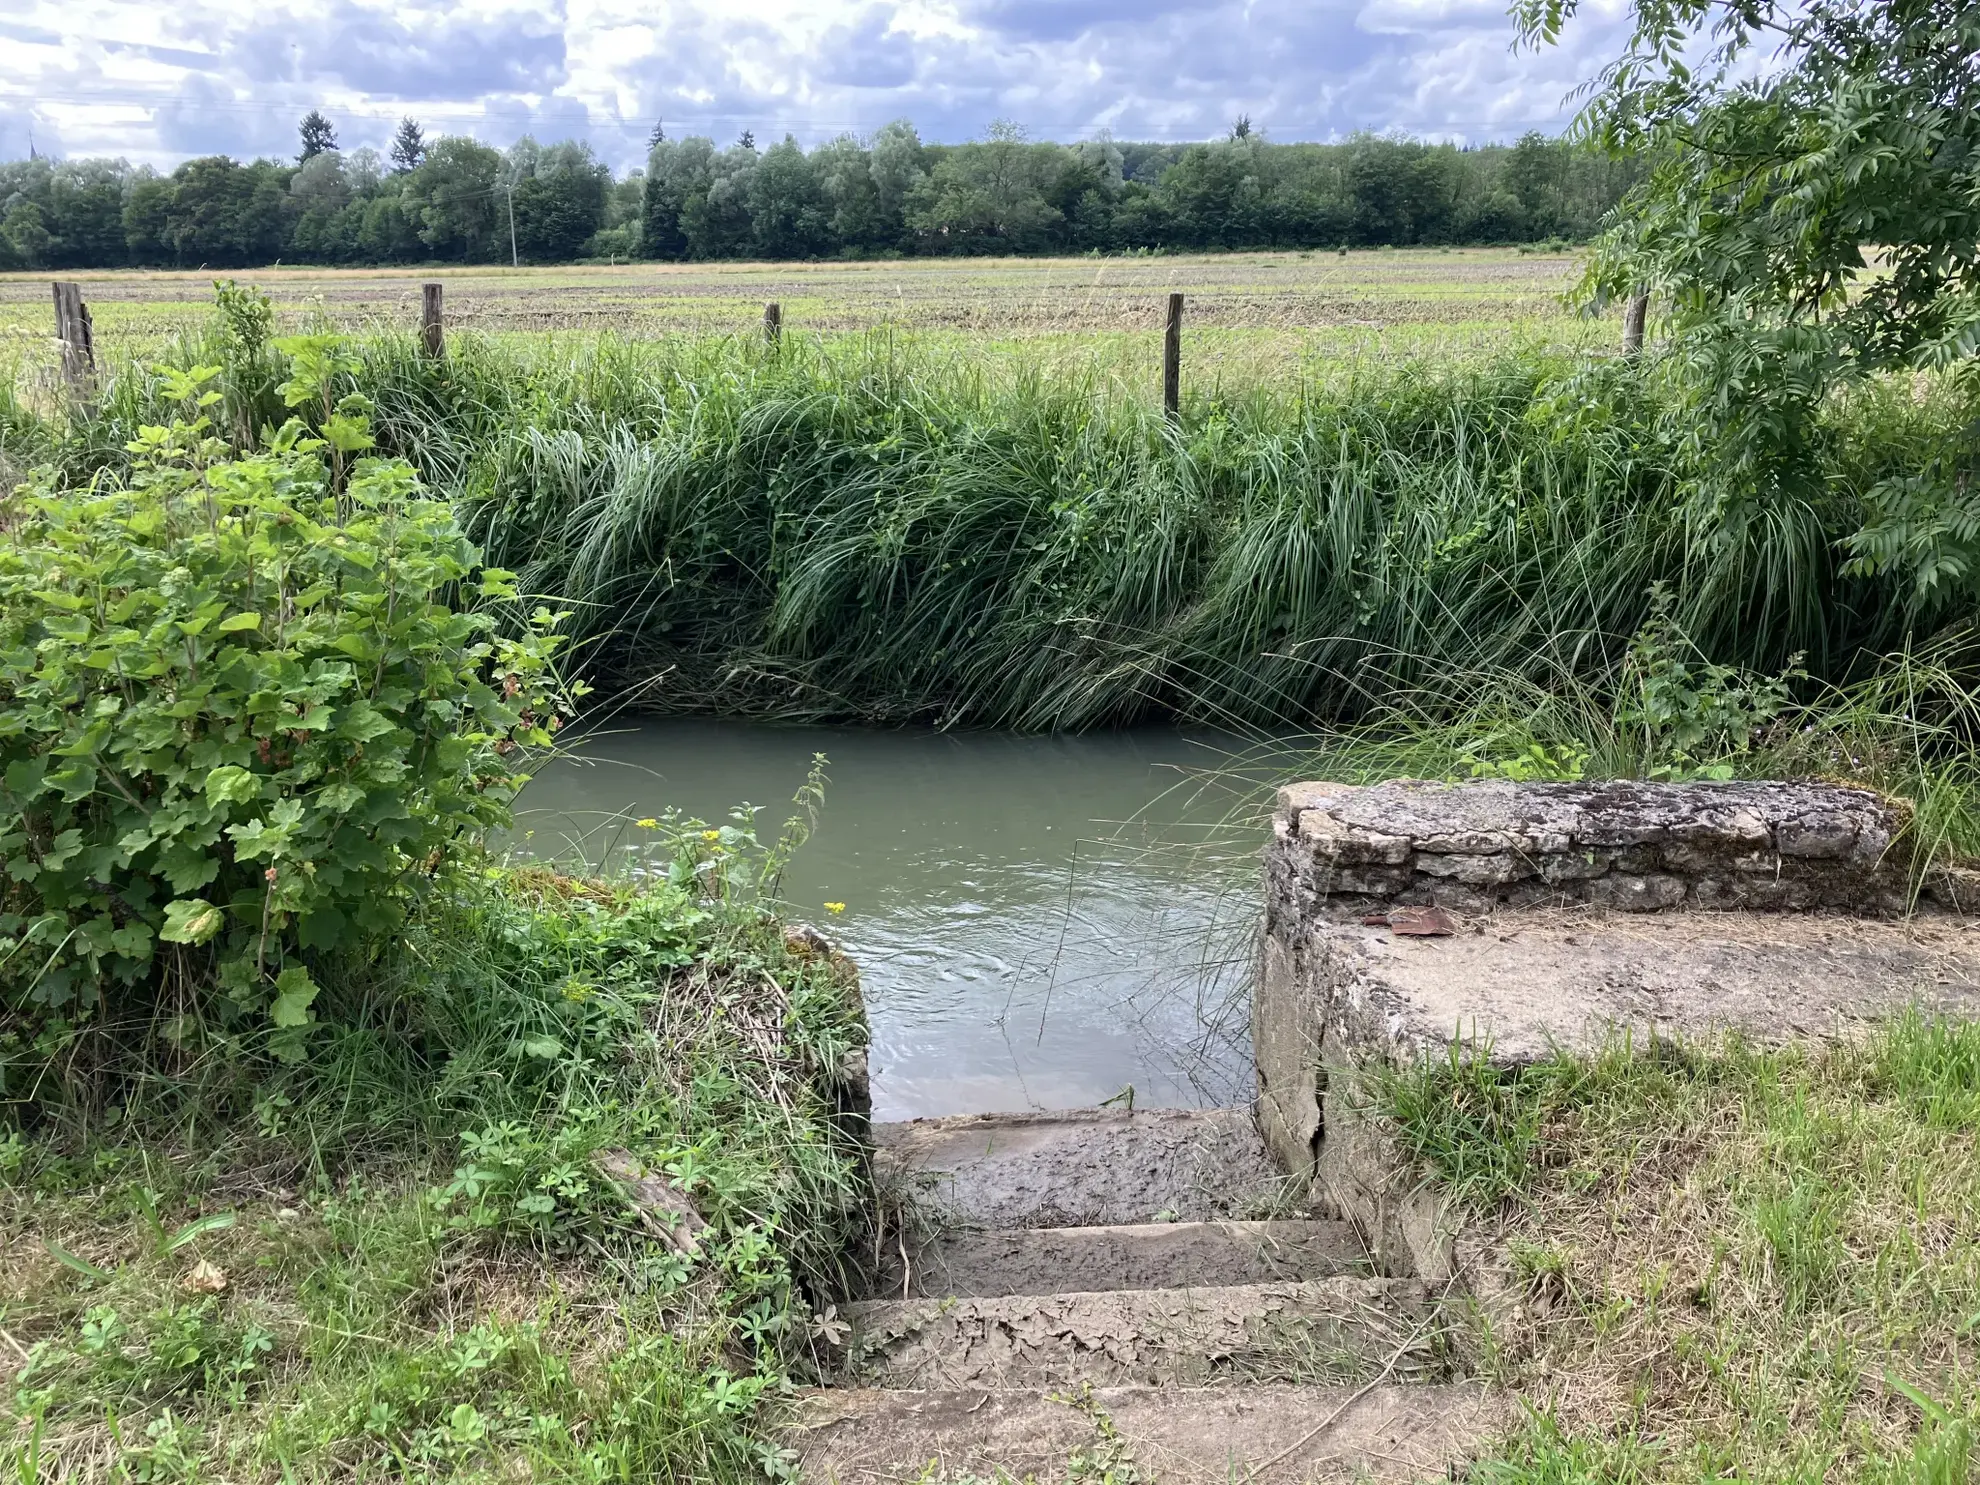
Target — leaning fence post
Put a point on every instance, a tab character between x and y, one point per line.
431	333
773	323
1634	314
1172	360
77	335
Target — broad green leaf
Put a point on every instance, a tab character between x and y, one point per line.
231	785
295	991
191	920
198	1228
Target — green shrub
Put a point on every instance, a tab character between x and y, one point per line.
245	710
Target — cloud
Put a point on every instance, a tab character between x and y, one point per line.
401	52
156	83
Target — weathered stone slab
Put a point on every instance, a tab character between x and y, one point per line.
1178	1337
1635	847
1148	1255
1081	1168
1260	1434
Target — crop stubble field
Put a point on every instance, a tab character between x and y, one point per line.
1251	315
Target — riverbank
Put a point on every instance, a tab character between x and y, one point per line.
406	1255
884	529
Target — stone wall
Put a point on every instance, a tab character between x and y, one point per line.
1339	850
1569	913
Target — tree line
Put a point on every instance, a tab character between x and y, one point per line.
454	199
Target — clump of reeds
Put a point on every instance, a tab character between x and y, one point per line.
876	528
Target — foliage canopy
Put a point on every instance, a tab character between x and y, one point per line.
1814	218
244	710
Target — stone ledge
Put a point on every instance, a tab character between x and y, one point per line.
1577	918
1630	846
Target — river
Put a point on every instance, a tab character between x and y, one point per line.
1039	922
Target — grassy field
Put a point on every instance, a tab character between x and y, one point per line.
1263	313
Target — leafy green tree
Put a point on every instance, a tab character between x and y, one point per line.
1535	176
1001	194
988	196
320	184
1216	193
25	234
454	203
717	222
678	175
1404	192
147	218
788	214
317	136
899	168
208	223
559	199
1804	229
386	233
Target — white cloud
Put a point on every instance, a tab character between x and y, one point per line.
160	82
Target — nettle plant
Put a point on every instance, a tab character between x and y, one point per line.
248	705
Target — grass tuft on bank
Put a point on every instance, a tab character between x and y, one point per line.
889	528
1739	1263
403	1258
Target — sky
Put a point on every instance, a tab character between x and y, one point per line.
157	83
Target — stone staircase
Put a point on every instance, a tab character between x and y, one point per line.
1122	1298
1136	1289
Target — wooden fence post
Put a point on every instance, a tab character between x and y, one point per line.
77	335
431	331
1172	360
1634	313
773	323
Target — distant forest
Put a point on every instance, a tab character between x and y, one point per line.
452	199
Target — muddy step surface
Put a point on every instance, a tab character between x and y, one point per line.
1081	1169
1261	1435
1340	1327
1155	1255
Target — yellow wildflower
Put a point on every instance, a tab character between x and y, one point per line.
711	835
835	907
648	823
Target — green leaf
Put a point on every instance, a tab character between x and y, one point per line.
69	1260
191	920
1930	1407
294	992
231	785
199	1228
235	623
362	722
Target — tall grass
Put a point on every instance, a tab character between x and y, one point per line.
876	529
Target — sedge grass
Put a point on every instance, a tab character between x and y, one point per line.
879	529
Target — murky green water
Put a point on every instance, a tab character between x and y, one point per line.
1039	922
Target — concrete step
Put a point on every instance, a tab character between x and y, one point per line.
1085	1168
1258	1435
1331	1328
1152	1255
